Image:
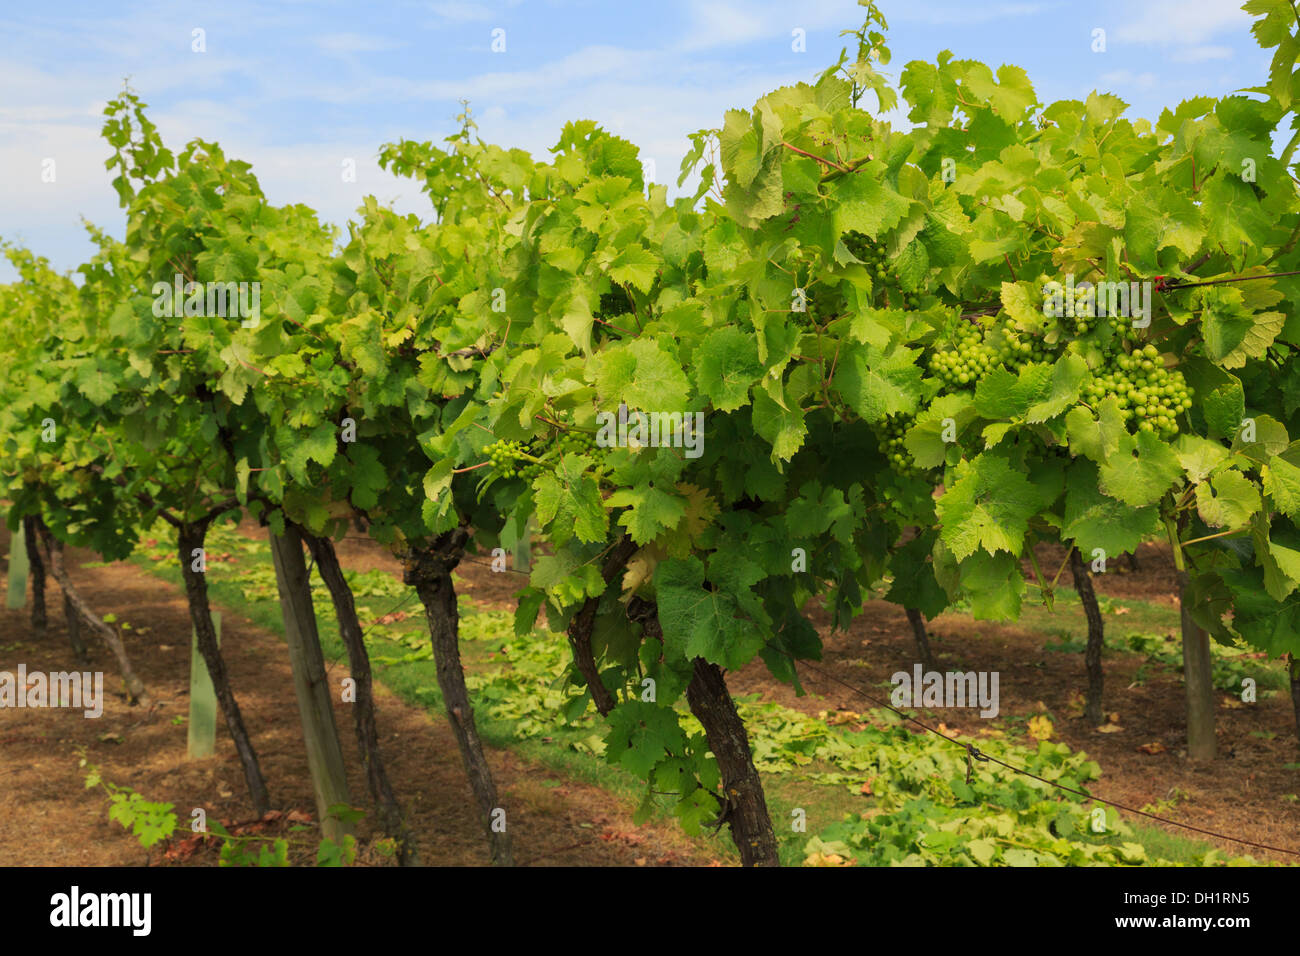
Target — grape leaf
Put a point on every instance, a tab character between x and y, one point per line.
1141	471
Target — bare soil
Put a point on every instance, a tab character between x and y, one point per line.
47	817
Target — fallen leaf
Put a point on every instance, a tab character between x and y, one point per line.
299	816
1040	728
183	849
1119	610
111	738
1074	707
1109	728
1155	747
639	861
826	859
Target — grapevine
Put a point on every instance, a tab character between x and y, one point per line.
546	292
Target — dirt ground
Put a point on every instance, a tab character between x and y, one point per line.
1242	794
47	817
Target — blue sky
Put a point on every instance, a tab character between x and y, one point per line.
298	86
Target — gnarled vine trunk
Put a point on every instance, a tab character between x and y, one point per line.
53	550
387	810
36	568
745	809
580	628
190	539
1092	710
746	806
428	570
72	621
1293	669
917	620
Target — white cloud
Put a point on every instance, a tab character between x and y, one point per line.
1126	79
1182	22
963	14
726	23
1199	54
353	43
461	12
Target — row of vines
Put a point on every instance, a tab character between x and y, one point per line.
892	339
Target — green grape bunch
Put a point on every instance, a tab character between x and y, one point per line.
514	459
1019	349
1121	325
573	442
1151	397
891	433
510	459
872	253
812	311
965	364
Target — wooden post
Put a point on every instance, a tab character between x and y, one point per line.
320	733
1199	681
17	570
203	699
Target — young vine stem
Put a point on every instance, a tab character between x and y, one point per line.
1211	537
